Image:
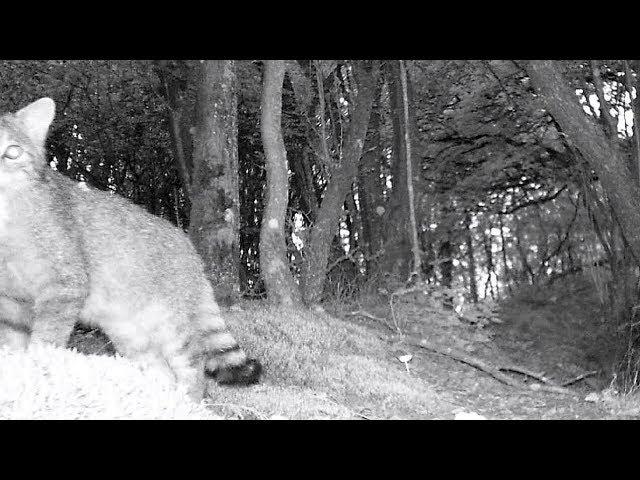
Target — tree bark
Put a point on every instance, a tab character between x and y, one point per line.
214	221
603	156
370	186
339	185
179	118
397	244
401	244
416	270
274	266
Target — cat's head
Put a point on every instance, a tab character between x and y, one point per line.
22	141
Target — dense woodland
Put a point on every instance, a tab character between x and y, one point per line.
310	181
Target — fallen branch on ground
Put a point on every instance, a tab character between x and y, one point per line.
494	371
528	373
364	313
393	315
580	377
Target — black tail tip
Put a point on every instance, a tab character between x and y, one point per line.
242	375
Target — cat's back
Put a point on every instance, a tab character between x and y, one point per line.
120	235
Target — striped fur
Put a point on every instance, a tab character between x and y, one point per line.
71	253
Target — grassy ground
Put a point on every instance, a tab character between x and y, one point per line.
319	366
345	366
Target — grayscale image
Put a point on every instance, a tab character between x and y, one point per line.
319	239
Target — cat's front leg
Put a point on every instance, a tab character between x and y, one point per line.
16	322
56	310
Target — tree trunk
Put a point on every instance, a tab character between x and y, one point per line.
416	271
445	243
589	138
630	85
473	282
214	182
397	245
370	186
503	250
490	267
180	118
526	270
446	262
401	234
274	266
339	185
543	244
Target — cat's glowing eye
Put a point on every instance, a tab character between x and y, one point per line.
12	152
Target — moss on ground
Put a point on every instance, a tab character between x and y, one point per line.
318	366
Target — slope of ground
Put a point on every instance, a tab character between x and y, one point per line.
347	365
558	330
554	333
319	366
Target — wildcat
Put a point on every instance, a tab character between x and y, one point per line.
69	252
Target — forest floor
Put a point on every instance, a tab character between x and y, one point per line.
369	361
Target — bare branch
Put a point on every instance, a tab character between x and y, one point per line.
495	372
538	201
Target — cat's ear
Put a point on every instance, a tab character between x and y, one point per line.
36	118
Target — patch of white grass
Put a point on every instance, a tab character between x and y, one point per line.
46	382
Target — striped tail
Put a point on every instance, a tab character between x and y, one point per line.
226	369
225	361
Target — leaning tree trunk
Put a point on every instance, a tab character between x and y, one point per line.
214	218
274	266
172	80
600	152
326	224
